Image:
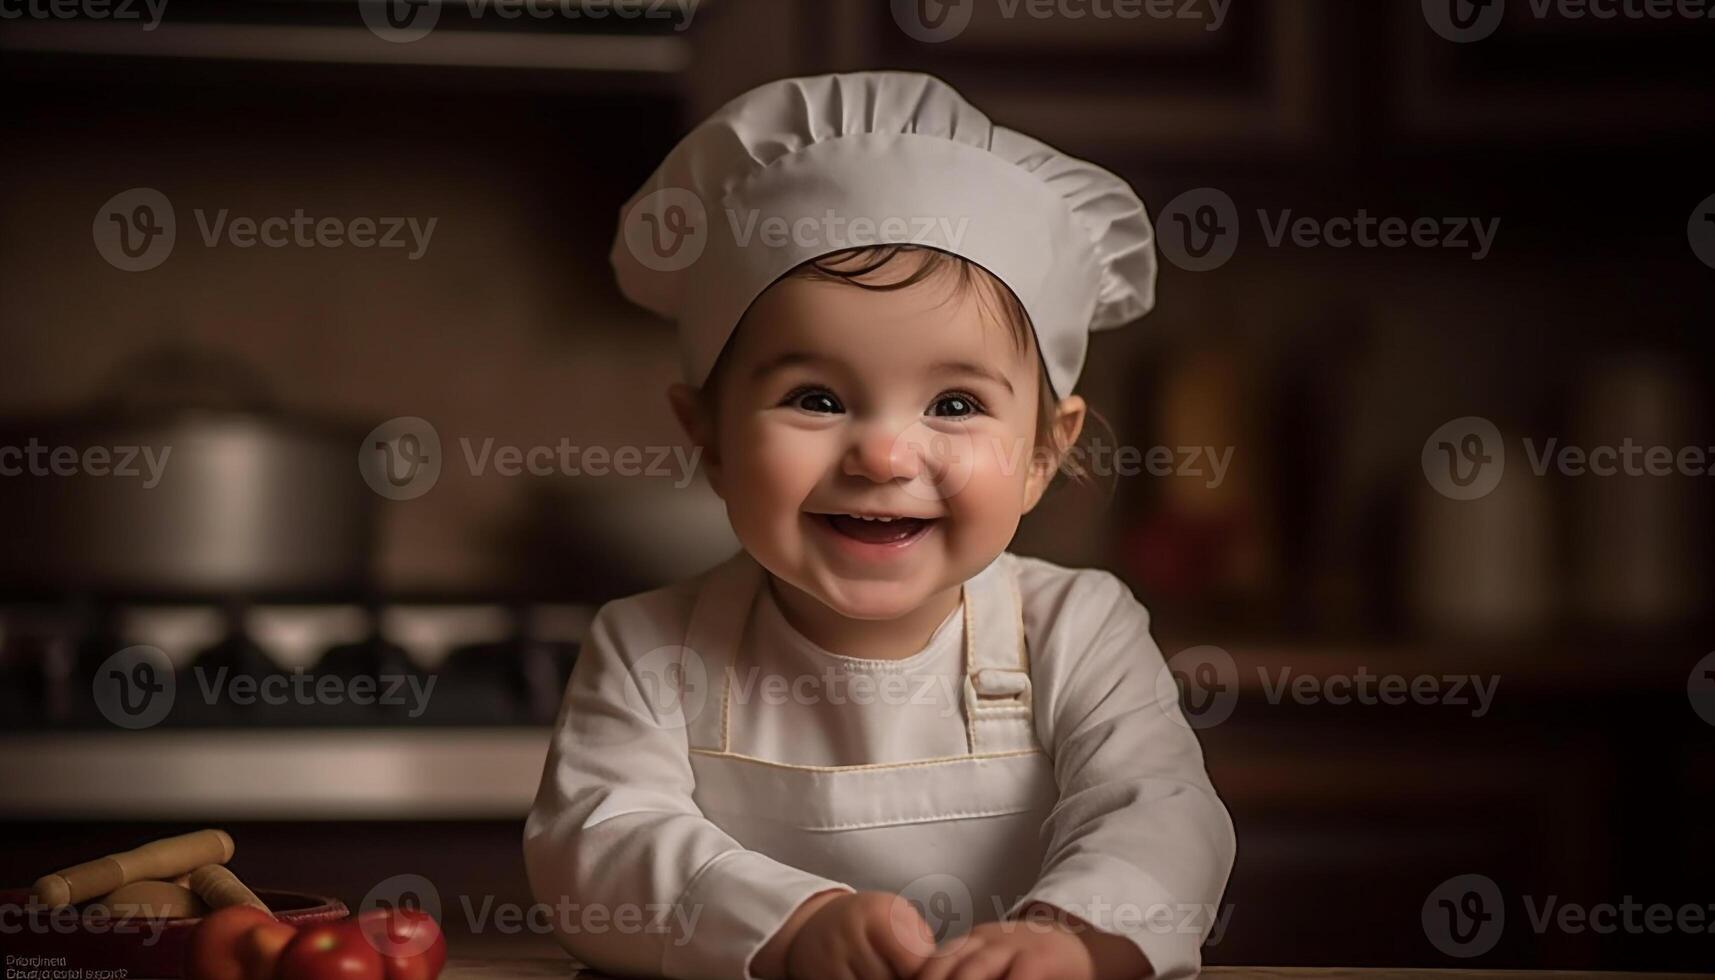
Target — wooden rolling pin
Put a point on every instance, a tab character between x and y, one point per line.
163	859
154	900
219	887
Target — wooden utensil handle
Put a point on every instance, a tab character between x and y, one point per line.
163	859
218	887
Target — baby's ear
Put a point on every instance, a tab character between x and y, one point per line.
1067	425
688	408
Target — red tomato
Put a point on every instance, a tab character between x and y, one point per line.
259	948
334	951
409	941
212	952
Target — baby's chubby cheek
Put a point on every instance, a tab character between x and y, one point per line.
983	503
769	480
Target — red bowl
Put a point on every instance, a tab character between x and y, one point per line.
73	941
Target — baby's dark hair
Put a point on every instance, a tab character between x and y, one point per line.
855	266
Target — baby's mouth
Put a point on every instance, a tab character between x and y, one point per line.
897	530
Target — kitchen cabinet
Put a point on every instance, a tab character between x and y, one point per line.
1556	72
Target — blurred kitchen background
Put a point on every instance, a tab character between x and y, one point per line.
1326	550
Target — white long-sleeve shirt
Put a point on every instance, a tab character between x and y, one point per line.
1137	843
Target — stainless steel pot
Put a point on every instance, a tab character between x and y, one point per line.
185	480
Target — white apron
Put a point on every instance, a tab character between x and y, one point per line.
960	836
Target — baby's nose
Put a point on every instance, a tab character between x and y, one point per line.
885	452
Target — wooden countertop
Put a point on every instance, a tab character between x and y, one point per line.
560	969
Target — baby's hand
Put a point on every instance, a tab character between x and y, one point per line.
1045	944
1012	951
866	935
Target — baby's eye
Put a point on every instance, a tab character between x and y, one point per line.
813	400
955	405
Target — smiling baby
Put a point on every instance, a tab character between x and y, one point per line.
875	743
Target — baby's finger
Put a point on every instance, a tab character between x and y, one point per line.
947	958
1028	967
903	938
865	962
817	969
987	963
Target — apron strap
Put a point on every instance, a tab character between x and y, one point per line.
999	708
715	630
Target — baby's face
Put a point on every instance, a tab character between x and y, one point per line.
838	403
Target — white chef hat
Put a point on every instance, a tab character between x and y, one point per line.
801	167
